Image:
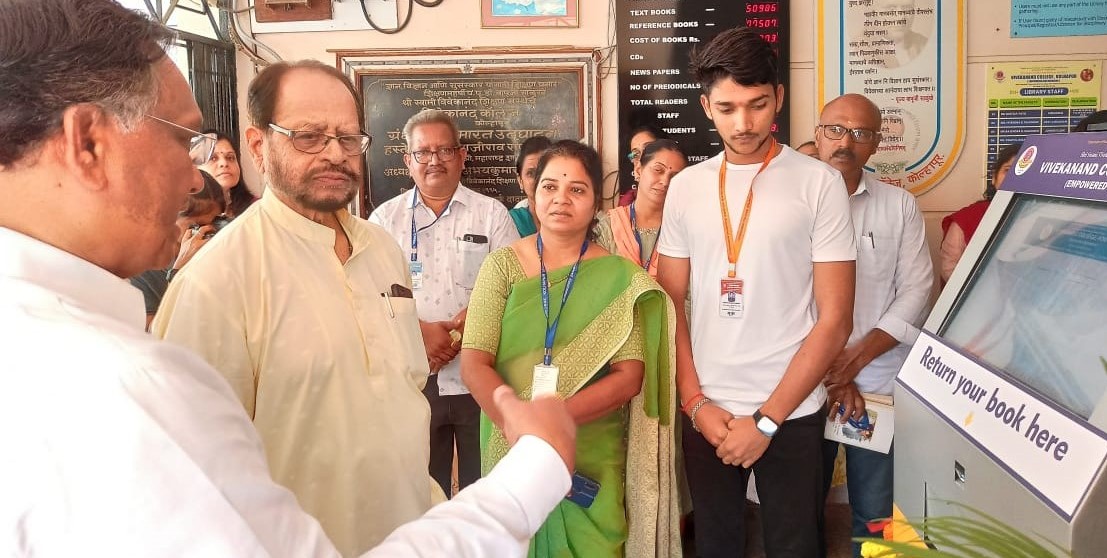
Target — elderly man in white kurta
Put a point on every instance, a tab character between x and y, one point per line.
307	311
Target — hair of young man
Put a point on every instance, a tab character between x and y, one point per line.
740	54
530	146
58	53
211	192
657	146
265	89
430	116
241	197
585	155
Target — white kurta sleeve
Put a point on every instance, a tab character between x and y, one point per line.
913	278
496	516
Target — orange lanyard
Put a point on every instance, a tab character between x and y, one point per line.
734	245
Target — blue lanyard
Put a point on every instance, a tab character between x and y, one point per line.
415	232
551	329
638	237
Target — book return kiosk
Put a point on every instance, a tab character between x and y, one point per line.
1002	403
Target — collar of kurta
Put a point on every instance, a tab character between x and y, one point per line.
863	187
75	281
288	219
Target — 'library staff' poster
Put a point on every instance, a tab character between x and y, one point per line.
1027	98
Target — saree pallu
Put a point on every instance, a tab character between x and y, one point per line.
632	446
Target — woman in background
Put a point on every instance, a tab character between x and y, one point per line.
224	166
526	168
958	228
631	231
603	347
639	137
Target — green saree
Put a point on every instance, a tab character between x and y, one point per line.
616	312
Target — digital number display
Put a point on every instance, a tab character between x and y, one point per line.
761	22
655	39
761	8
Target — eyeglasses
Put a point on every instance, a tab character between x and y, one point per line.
200	146
445	154
634	153
836	132
312	142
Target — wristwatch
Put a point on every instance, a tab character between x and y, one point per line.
765	424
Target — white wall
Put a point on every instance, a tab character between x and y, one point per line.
456	23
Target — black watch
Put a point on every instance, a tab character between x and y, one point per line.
766	425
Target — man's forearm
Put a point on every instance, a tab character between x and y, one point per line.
875	343
807	368
687	379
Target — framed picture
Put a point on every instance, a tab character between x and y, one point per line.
528	13
497	96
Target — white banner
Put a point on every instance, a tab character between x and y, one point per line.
907	56
1052	454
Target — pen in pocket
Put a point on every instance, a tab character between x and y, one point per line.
388	302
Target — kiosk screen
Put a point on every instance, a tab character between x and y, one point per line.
1035	307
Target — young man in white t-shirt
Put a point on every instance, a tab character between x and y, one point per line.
772	305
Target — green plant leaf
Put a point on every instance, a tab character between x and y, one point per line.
975	535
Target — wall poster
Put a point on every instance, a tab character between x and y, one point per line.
1058	18
1038	98
908	56
498	98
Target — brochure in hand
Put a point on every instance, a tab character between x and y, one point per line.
872	431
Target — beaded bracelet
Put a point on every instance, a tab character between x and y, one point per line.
696	409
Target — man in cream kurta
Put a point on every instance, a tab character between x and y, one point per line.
307	312
330	375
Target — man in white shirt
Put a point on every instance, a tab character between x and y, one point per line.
771	306
118	444
894	280
446	230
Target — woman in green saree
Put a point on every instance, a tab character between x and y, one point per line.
610	343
